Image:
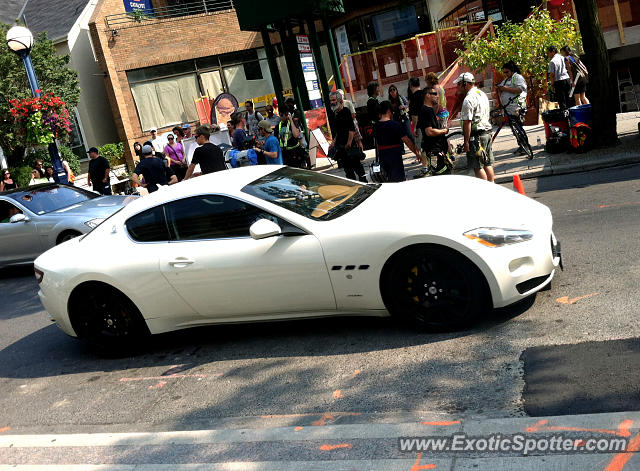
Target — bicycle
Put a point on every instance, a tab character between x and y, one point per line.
515	123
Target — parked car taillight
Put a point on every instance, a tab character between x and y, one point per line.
39	275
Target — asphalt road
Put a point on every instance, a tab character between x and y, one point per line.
344	370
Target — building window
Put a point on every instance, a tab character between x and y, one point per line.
165	102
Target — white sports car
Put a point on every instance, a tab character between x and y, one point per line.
267	243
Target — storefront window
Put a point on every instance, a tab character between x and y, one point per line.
165	102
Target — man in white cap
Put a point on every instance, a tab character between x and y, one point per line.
476	126
155	140
153	170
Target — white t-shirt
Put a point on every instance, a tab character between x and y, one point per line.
157	145
252	122
558	68
516	81
475	108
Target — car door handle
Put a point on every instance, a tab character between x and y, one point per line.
181	262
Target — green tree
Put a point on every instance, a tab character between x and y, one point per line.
53	74
525	43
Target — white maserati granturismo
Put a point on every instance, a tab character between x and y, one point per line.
265	243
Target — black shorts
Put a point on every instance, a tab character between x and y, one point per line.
581	86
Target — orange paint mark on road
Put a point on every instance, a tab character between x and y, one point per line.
355	373
160	385
337	394
417	466
541	426
326	418
602	206
567	300
327	447
288	416
161	378
4	429
621	459
297	429
443	423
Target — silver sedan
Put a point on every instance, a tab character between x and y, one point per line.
34	219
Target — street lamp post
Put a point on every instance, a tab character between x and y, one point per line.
20	41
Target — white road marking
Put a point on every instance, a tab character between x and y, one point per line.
327	432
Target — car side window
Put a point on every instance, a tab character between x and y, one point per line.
212	217
148	226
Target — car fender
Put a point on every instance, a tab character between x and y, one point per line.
465	251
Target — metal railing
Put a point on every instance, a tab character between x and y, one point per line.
150	14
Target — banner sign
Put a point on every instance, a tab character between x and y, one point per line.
309	70
133	5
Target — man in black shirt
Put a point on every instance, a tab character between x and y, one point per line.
99	173
434	140
154	171
343	133
416	101
208	155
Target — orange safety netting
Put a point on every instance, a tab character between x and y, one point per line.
430	53
450	43
391	64
412	57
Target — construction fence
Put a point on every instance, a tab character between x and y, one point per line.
413	57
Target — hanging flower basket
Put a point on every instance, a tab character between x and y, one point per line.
41	120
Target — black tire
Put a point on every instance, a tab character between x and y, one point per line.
107	319
521	138
434	288
67	235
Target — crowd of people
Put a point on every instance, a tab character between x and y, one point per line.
418	120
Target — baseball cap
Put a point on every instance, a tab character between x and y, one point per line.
147	150
186	126
153	129
264	124
93	149
465	77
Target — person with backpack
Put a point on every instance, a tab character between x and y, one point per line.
578	74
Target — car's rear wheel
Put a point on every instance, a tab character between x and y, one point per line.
435	288
106	318
67	235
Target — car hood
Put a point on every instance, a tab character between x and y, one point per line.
440	205
100	207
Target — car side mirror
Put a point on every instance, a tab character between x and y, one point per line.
264	228
18	218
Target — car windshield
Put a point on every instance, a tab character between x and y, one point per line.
47	198
314	195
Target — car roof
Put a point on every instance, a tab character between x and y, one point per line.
226	181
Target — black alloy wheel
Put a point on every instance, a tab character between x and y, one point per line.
67	235
435	288
109	320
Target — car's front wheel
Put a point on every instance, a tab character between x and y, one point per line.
106	318
435	288
67	235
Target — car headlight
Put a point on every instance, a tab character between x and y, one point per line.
93	223
497	237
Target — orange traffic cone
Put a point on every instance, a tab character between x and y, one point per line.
517	184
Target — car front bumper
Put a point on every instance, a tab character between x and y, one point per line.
521	270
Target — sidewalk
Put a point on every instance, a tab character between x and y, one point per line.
509	163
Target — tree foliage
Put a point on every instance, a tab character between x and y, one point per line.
53	74
525	43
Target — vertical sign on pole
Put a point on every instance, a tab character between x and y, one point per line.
309	71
